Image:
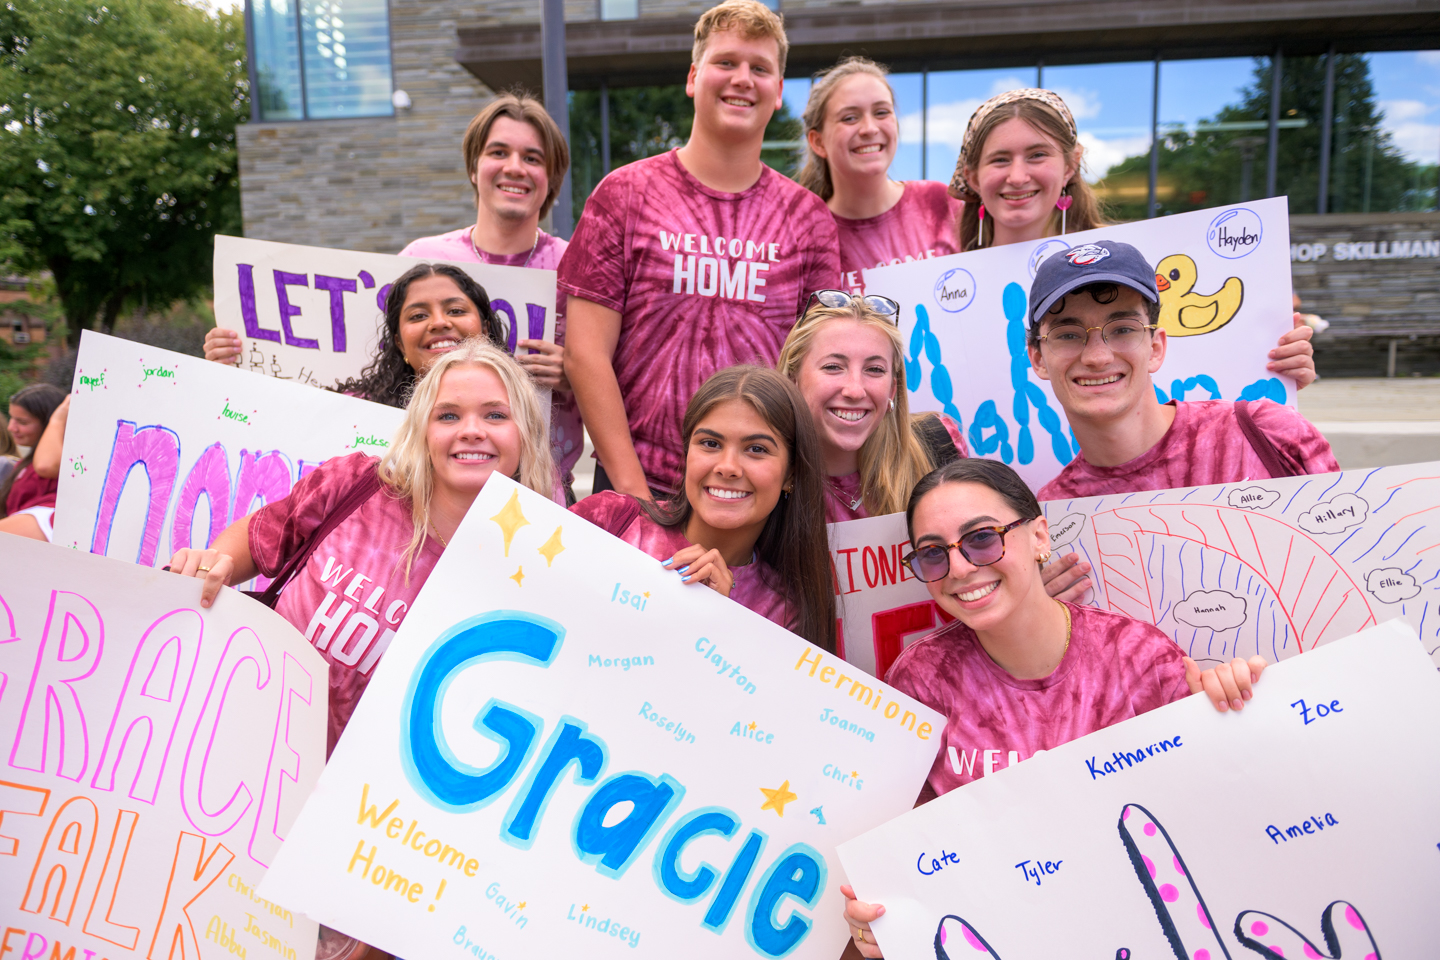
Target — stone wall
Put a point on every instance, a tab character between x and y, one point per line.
1376	279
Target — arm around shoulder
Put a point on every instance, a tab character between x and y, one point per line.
48	450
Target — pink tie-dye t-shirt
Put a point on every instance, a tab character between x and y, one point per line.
1115	668
1204	445
615	513
843	494
701	280
920	226
567	441
352	595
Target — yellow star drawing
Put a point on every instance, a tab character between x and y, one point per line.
552	548
752	724
584	908
647	594
855	774
511	519
518	576
776	799
521	904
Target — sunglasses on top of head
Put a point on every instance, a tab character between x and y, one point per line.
884	306
980	547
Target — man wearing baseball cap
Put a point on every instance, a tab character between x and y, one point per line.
1093	334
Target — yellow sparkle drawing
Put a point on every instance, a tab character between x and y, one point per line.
551	548
584	908
521	904
776	799
518	576
855	774
647	594
511	519
752	724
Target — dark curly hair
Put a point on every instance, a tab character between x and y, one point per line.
389	378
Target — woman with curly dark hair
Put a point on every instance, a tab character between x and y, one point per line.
428	311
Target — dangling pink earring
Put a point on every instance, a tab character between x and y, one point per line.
1062	205
981	227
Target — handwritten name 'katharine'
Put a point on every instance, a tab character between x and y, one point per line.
1123	760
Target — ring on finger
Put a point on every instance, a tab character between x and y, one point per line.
860	935
202	569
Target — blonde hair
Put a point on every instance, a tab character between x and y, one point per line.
522	108
1086	211
815	172
751	19
406	470
892	459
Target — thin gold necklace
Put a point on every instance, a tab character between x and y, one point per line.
444	545
1068	624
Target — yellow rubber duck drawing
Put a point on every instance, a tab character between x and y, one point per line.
1187	314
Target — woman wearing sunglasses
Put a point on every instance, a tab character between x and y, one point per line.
1019	672
845	355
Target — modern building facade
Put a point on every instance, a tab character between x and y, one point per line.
361	105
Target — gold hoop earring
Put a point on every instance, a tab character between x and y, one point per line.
1044	557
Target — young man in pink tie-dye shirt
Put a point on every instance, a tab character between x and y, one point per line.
690	261
1129	441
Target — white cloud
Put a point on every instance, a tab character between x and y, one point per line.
1405	122
1084	104
1101	155
1431	58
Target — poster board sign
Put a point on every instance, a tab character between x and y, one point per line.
155	756
880	603
1268	568
1226	301
603	761
315	315
163	451
1200	834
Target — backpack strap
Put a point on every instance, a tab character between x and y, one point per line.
365	487
1279	462
935	439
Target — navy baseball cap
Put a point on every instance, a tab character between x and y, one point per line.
1103	261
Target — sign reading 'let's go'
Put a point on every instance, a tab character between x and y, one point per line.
541	769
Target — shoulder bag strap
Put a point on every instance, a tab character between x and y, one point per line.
1277	461
364	488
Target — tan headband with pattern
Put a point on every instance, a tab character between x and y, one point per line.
959	189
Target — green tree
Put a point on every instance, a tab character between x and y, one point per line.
117	148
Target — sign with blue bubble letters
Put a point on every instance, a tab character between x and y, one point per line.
1186	833
315	315
568	752
163	451
1225	300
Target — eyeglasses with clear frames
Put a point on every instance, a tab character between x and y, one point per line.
1068	340
836	299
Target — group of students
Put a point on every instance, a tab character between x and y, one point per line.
743	388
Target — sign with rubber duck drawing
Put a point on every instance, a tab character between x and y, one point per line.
1223	278
155	756
546	766
1189	834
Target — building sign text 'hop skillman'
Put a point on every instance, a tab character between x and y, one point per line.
1224	281
568	752
1190	834
314	315
154	757
164	451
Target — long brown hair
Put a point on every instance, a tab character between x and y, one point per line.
892	459
39	400
1086	211
793	543
815	171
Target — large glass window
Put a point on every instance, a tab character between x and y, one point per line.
953	97
1112	107
1385	142
345	67
1214	132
